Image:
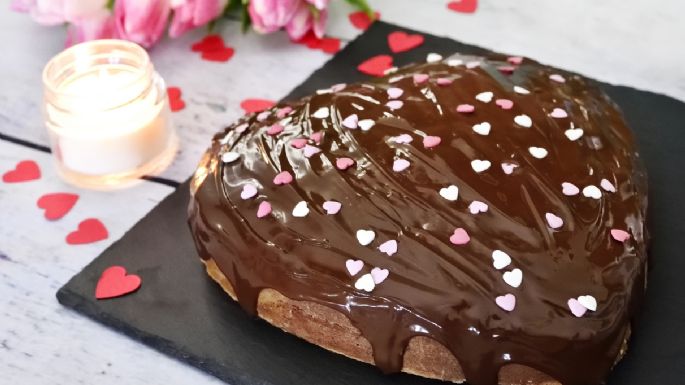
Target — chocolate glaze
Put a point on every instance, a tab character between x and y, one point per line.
435	288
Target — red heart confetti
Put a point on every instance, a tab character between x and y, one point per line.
57	205
89	231
176	103
330	45
361	20
401	41
326	44
256	105
376	66
209	43
24	171
114	282
463	6
220	55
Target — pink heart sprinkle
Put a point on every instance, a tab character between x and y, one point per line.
557	78
515	60
403	139
554	221
508	70
420	78
316	137
332	207
607	186
283	177
343	163
460	237
388	247
577	309
508	168
558	113
310	150
400	165
351	121
477	207
504	104
354	266
264	209
298	143
394	92
506	302
282	112
263	115
444	81
431	141
569	189
620	235
379	275
465	108
275	129
248	191
394	104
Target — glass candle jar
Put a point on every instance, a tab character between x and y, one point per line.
107	114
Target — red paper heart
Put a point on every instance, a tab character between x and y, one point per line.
89	231
24	171
361	20
256	105
463	6
114	282
209	43
330	45
176	103
57	205
400	41
376	65
223	54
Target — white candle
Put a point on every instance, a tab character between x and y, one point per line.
107	113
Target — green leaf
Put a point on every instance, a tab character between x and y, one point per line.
110	4
362	5
245	21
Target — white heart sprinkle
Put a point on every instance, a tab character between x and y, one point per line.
433	57
379	275
482	128
485	97
451	193
480	165
588	301
455	62
592	191
351	121
500	259
394	104
557	78
508	168
537	152
513	278
607	186
354	266
394	92
573	133
301	210
366	124
569	189
521	90
523	120
478	207
365	237
229	156
554	221
365	282
321	113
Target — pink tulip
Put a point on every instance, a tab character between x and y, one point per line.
101	26
53	12
141	21
305	20
189	14
271	15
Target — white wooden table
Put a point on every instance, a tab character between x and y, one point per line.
632	43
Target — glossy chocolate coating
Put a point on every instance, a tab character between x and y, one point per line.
436	288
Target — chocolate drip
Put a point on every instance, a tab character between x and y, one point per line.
436	288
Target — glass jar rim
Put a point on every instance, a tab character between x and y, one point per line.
89	48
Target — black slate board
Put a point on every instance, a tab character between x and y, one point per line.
181	312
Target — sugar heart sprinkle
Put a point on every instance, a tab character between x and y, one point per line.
465	108
298	143
388	247
451	193
553	220
351	122
523	121
394	92
521	90
365	282
569	189
301	210
229	157
321	113
477	207
402	139
537	152
310	151
332	207
485	97
354	266
431	141
249	191
365	237
508	168
482	128
513	278
479	165
283	177
264	209
557	78
558	113
607	186
394	104
500	259
366	124
573	133
619	235
379	275
343	163
504	104
507	302
400	165
592	192
460	237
